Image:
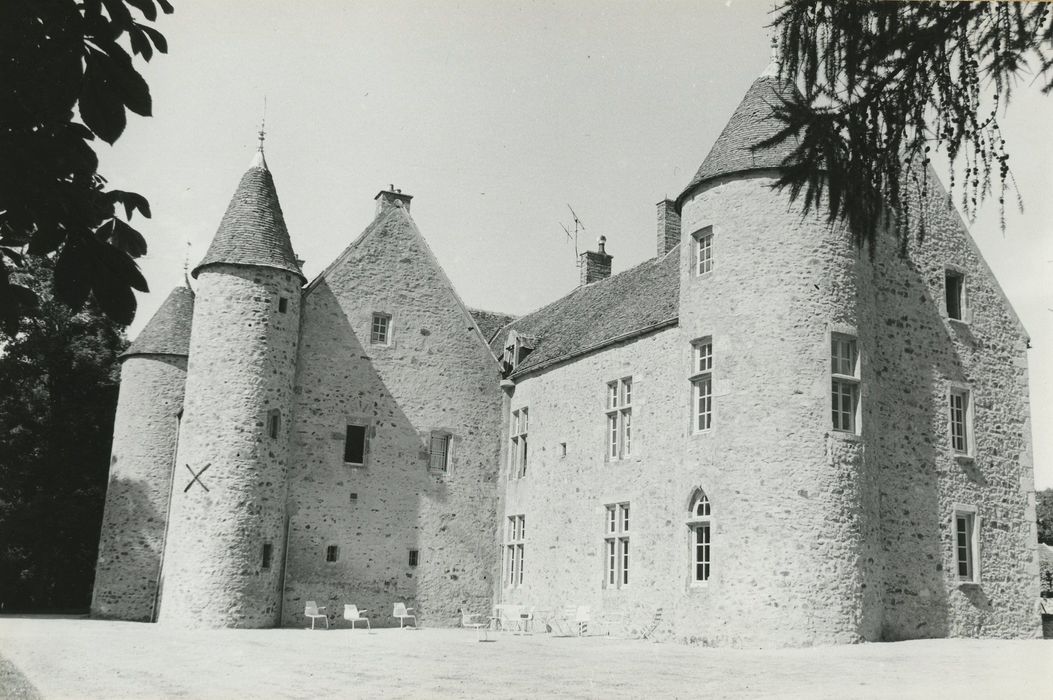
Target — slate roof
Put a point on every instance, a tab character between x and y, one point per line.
168	332
595	315
490	322
751	123
253	230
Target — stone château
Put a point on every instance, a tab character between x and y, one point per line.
772	437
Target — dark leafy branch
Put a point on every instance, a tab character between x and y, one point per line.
884	85
66	78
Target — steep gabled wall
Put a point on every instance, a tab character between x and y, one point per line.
435	374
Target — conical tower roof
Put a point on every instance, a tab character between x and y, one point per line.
168	332
751	123
253	230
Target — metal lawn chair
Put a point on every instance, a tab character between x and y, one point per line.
402	612
352	614
468	621
313	611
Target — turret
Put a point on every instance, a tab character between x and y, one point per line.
153	375
225	547
764	294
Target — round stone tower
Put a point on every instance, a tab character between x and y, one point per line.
153	374
765	292
225	547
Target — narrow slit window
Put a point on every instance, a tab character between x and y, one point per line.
332	553
414	557
355	445
954	287
283	305
439	452
274	424
268	550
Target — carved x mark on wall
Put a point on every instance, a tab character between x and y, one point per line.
196	477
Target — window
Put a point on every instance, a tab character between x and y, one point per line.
703	250
332	553
274	423
961	406
515	536
619	418
700	527
355	445
954	288
966	544
439	451
267	553
380	332
414	557
702	384
283	305
517	451
616	546
844	383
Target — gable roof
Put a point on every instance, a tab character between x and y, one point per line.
751	123
398	216
490	322
253	230
628	304
168	331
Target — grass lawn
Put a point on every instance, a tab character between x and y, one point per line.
79	658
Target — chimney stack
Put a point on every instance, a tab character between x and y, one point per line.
596	266
391	197
668	226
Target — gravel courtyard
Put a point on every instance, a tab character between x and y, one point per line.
77	658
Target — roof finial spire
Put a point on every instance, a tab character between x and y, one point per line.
776	55
186	265
258	160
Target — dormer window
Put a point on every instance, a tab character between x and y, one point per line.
517	347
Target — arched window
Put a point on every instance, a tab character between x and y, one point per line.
699	523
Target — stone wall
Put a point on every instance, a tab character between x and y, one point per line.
435	373
133	523
241	366
819	536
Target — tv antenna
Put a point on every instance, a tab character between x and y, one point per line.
578	228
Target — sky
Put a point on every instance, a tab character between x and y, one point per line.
496	116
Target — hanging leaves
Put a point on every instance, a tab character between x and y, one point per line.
66	77
883	85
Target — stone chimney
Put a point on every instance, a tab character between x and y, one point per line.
386	199
668	226
595	266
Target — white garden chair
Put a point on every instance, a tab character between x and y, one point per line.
313	611
402	612
352	614
468	621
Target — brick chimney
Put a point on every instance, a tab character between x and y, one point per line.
668	226
386	199
595	266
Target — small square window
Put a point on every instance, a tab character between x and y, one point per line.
439	452
283	305
355	445
954	287
332	553
380	333
268	550
414	557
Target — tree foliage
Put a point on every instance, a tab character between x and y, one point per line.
65	79
1044	513
58	394
883	85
